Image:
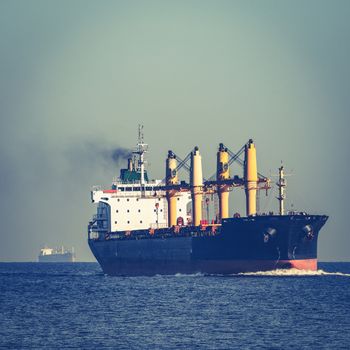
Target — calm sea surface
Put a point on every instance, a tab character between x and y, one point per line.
57	306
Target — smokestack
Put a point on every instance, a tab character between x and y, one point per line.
171	179
223	173
130	165
250	178
197	184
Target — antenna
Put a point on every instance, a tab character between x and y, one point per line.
281	189
140	134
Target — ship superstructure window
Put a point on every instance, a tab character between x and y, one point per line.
127	199
117	211
139	210
128	211
128	222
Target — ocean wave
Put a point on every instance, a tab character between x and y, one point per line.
198	274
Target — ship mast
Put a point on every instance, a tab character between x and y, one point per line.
141	149
281	189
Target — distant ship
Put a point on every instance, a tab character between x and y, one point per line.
148	227
56	255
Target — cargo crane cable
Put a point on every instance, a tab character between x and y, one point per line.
235	157
183	164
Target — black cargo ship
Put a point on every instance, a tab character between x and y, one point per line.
148	228
239	245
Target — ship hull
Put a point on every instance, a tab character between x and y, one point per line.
208	267
240	245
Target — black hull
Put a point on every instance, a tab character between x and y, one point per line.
240	245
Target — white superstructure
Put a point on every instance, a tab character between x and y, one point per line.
133	202
46	251
60	254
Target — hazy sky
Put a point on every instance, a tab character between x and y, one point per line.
76	78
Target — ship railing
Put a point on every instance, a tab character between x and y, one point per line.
158	225
185	231
118	181
137	194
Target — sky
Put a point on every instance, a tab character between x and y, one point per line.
77	77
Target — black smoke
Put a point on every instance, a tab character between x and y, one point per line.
119	154
97	154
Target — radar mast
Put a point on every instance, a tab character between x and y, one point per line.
141	149
281	189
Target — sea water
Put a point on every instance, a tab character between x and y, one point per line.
59	306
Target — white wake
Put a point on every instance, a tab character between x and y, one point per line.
293	272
